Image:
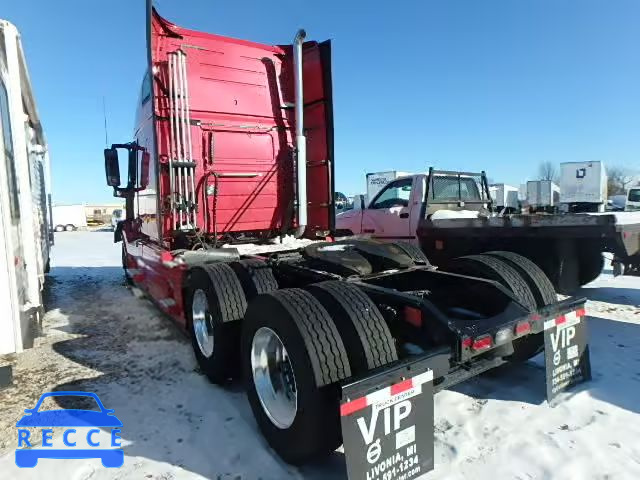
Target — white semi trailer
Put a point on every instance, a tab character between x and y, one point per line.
543	196
505	197
67	218
376	181
25	199
583	186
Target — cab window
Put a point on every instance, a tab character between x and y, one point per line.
634	195
395	194
447	187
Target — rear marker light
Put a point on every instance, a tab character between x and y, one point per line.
561	319
535	317
581	312
482	343
523	328
413	316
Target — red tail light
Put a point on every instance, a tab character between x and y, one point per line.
482	343
523	328
581	312
413	316
467	342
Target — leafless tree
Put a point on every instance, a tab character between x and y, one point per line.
620	179
548	171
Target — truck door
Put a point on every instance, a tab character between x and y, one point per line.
389	215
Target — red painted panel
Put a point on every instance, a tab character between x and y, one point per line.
318	121
241	95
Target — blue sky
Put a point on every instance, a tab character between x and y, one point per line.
499	85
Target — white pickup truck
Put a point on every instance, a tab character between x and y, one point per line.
450	214
396	211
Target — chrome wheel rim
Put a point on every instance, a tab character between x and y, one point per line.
273	377
202	327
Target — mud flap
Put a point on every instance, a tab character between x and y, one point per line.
566	353
387	424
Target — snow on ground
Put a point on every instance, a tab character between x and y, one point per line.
97	336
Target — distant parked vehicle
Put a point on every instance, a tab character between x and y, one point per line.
67	218
505	198
583	187
616	203
341	201
378	180
543	196
633	199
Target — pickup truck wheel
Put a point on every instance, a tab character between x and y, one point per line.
486	266
590	265
255	277
362	327
59	228
292	358
69	228
414	252
214	304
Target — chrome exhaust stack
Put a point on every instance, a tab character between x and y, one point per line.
301	141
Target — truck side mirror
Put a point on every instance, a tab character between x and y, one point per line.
112	167
144	170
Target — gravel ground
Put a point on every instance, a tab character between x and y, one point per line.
99	336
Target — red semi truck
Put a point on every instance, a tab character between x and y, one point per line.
234	144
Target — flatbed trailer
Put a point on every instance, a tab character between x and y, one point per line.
234	144
450	214
567	247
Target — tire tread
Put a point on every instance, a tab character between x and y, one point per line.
509	277
373	332
324	344
227	287
539	283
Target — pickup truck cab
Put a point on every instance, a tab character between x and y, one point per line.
395	212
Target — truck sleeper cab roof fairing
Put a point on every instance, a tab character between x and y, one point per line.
242	128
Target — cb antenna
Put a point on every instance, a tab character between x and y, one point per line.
104	114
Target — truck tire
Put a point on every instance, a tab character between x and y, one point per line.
292	359
591	263
363	330
544	293
414	252
538	282
59	228
255	277
69	228
214	304
491	268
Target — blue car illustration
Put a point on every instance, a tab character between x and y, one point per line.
69	418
